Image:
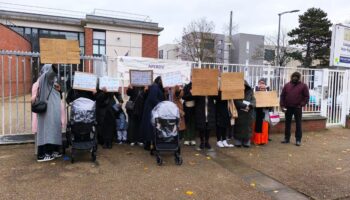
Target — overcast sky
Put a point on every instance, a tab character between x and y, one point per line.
251	16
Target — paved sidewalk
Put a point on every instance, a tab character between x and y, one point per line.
319	169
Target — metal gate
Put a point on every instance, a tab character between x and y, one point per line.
19	70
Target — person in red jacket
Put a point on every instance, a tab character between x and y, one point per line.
294	96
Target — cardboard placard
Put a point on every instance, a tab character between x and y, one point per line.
231	95
59	51
111	83
232	85
141	77
266	99
205	82
171	79
85	81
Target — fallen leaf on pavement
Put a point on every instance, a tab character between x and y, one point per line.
197	154
208	157
252	184
275	191
189	193
338	168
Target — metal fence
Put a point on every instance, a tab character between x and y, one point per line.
329	89
19	70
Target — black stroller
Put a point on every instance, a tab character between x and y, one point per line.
81	127
165	119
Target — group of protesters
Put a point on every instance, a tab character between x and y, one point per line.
200	115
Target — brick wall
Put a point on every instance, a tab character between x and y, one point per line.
309	124
150	46
10	40
88	64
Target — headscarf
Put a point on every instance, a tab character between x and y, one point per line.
45	69
158	81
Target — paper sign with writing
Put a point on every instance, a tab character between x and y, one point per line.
141	77
266	99
59	51
110	83
171	79
84	81
205	82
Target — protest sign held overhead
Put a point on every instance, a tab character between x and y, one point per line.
110	83
59	51
141	77
171	79
84	81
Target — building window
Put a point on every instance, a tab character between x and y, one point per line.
99	43
219	51
220	42
161	54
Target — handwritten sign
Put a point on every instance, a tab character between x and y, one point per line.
59	51
84	81
141	77
110	83
232	85
266	99
171	79
205	82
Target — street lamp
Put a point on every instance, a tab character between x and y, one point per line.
278	37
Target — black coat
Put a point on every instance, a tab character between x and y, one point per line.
201	119
136	95
105	114
222	114
154	95
244	122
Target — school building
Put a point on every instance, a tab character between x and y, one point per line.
98	34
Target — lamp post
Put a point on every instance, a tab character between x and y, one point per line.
279	30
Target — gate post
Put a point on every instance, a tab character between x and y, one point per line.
346	98
324	93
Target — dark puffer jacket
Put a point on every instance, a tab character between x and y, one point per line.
201	118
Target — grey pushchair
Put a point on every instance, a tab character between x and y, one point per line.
165	120
81	127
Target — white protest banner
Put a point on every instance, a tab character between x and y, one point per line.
159	67
141	77
110	83
171	79
85	81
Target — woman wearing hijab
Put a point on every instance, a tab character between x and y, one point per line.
155	95
243	124
49	130
105	116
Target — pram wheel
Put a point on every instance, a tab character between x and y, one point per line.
93	156
178	159
159	161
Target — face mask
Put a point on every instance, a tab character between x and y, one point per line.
295	80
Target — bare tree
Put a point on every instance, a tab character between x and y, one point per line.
285	48
198	41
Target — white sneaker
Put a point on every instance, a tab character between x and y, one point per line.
56	154
46	158
193	142
227	144
187	143
132	143
220	144
140	144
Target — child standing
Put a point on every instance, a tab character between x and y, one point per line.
122	124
